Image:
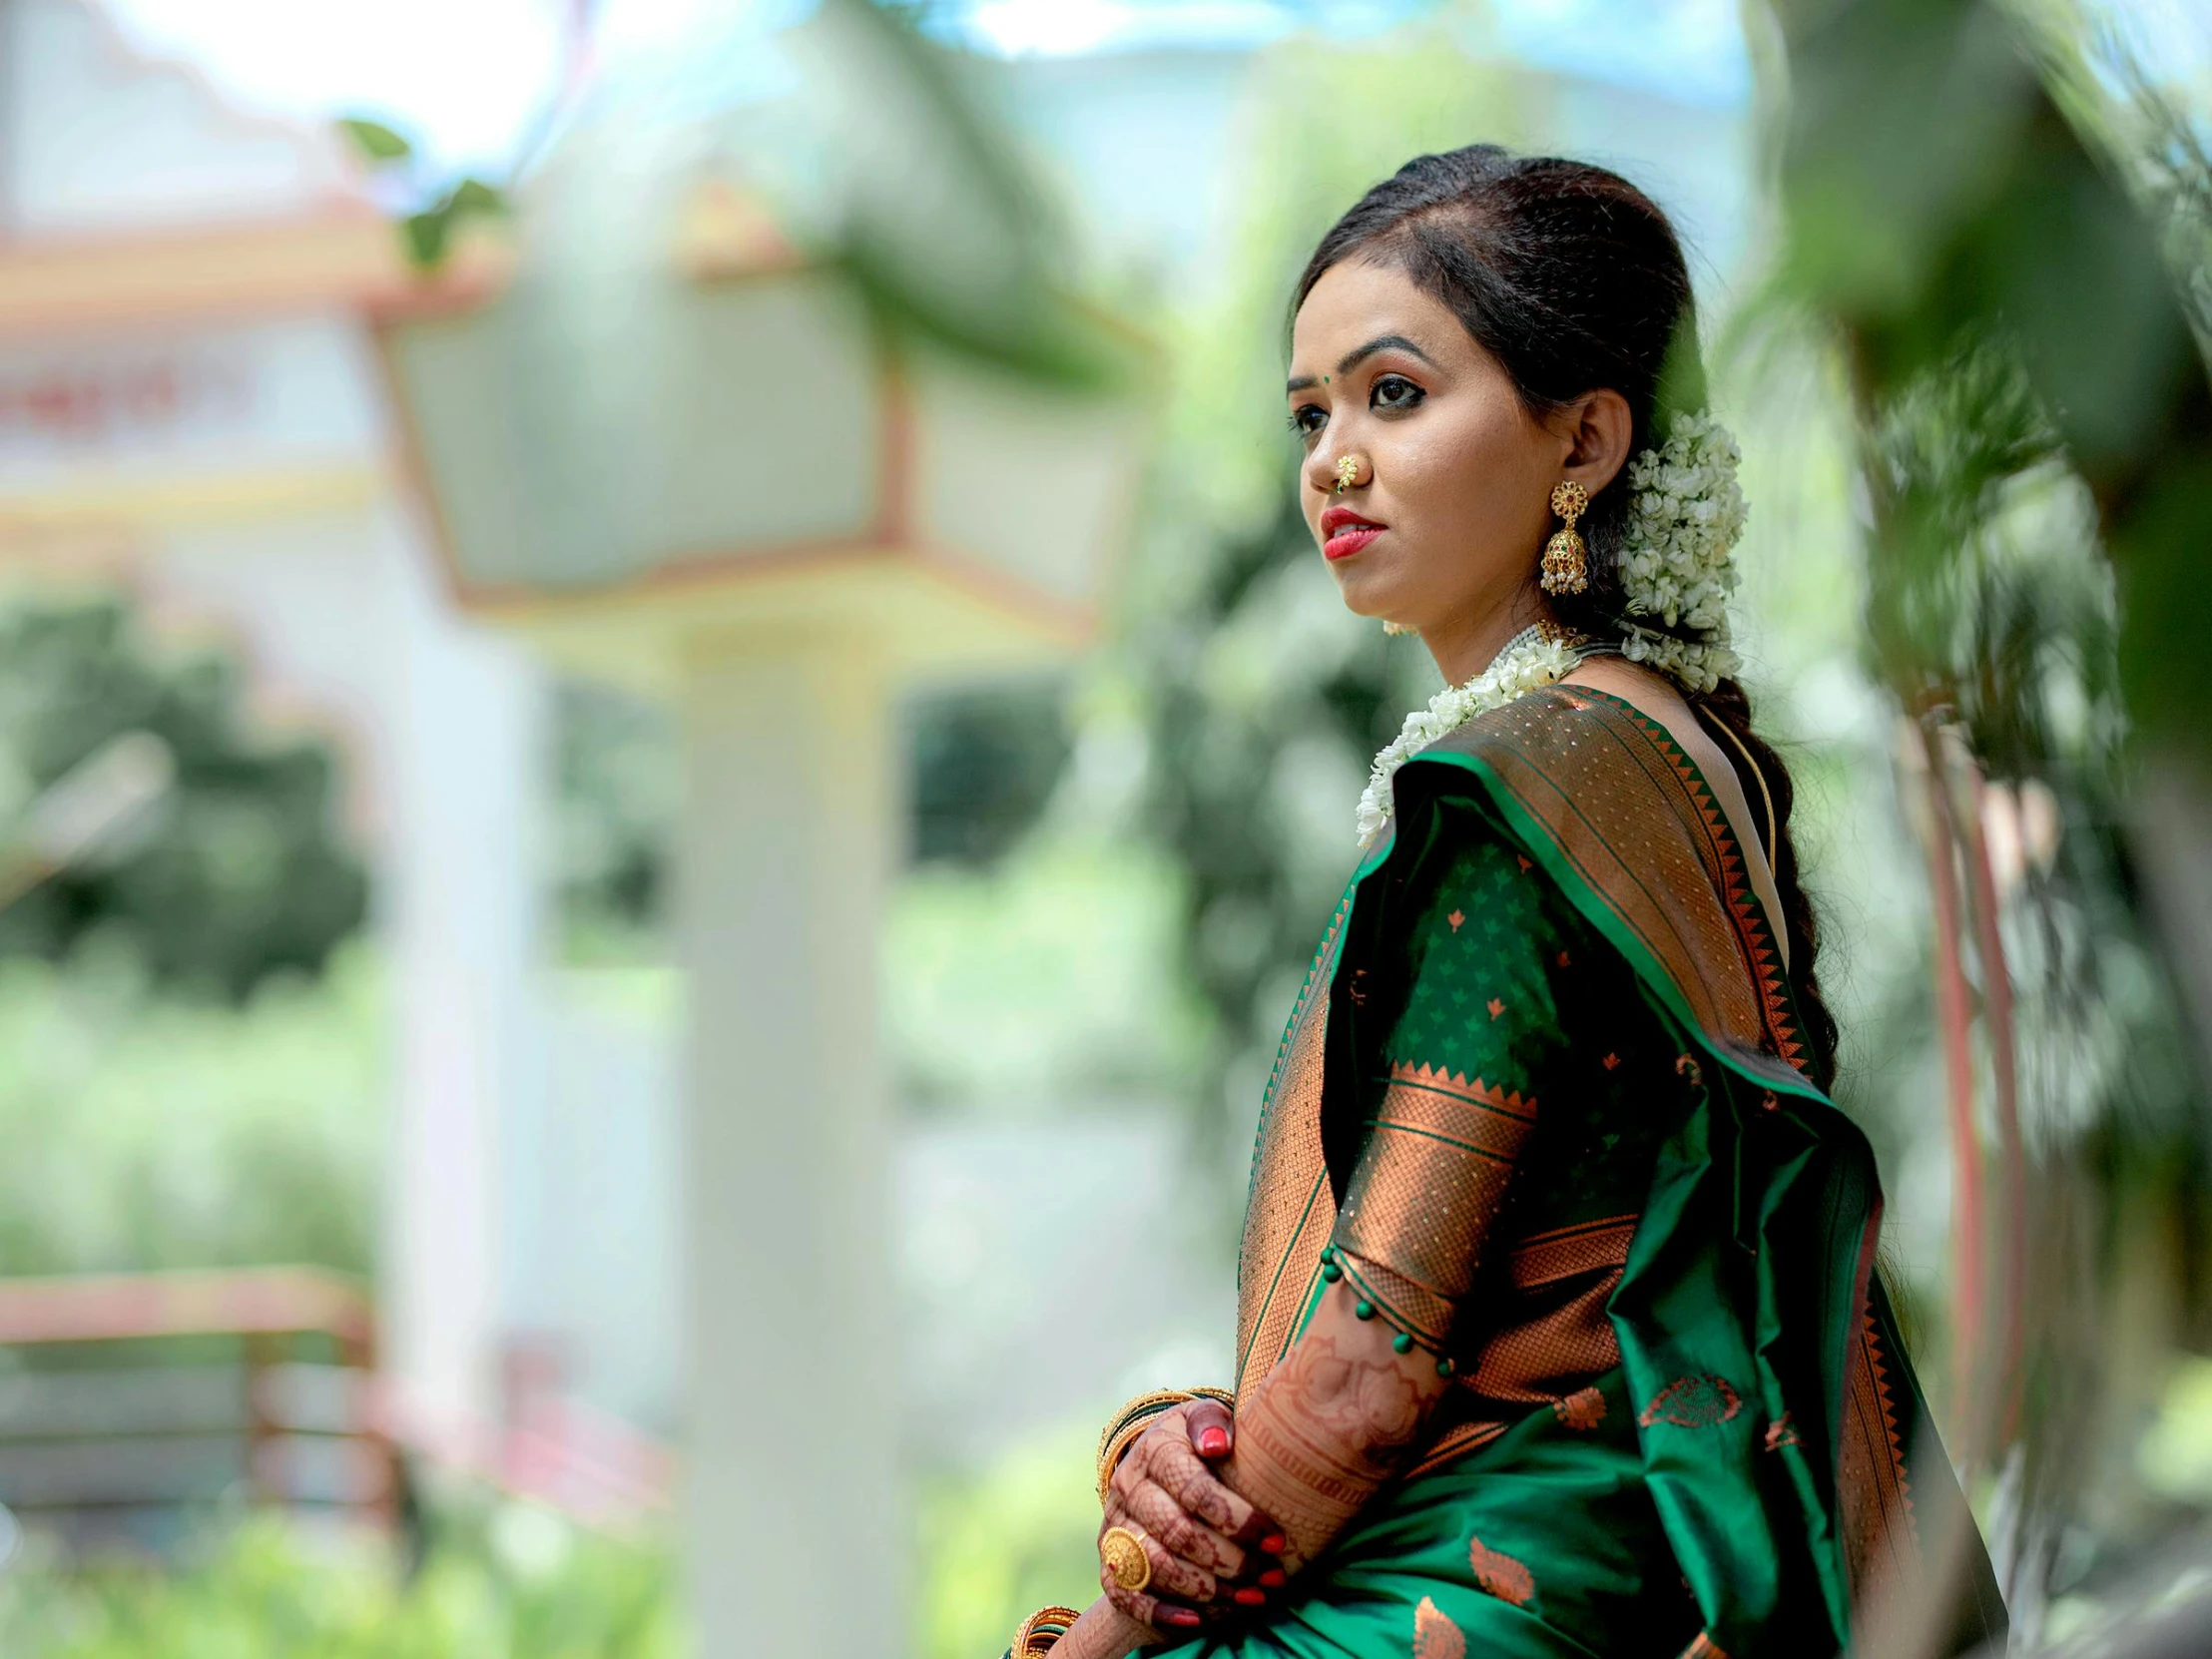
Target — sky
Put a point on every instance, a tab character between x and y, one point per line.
469	79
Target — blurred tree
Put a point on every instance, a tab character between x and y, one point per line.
144	1132
238	874
1997	217
614	809
505	1580
985	760
982	760
1265	700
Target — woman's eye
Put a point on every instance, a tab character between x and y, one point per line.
1394	391
1308	419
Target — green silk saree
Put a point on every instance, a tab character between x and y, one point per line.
1681	1421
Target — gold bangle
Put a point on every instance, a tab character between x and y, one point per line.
1110	1460
1144	1406
1126	1426
1049	1623
1133	1419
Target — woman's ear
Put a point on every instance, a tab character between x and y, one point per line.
1598	428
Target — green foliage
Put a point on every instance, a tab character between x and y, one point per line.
426	233
981	760
242	876
994	1547
144	1132
504	1582
1265	700
1936	191
378	142
614	809
1037	980
430	232
936	214
985	761
1998	218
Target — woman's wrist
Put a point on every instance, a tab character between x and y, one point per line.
1041	1632
1105	1632
1331	1425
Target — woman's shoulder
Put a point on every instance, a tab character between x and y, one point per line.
1621	819
1566	740
1584	755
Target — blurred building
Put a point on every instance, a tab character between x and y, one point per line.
645	440
663	446
193	406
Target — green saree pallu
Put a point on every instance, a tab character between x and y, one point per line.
1547	1093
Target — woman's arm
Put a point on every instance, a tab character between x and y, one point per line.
1331	1423
1453	1116
1455	1111
1327	1427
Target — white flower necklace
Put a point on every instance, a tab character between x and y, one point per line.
1531	658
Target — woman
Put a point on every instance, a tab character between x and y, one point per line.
1558	1333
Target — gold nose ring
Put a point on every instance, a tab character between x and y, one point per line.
1348	472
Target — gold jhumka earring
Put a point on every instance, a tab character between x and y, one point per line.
1348	472
1566	566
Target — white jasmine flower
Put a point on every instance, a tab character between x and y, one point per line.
1527	661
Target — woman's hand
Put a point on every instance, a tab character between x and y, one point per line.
1334	1422
1212	1552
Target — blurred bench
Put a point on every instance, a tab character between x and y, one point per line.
132	1407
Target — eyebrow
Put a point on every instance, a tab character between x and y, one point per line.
1359	354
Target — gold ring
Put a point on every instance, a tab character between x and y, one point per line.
1123	1553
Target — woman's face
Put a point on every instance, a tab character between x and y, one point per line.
1445	527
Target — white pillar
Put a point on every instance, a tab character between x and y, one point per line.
791	1504
460	920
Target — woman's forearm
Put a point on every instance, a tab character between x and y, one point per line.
1329	1427
1103	1632
1330	1424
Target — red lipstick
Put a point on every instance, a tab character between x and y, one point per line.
1346	532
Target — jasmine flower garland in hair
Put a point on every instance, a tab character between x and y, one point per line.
1527	661
1685	516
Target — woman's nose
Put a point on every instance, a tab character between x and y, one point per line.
1320	469
1334	468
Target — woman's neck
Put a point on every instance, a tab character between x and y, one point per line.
1465	649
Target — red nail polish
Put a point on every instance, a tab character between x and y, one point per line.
1212	1442
1177	1616
1272	1579
1248	1597
1273	1543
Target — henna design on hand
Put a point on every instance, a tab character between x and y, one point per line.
1181	1551
1134	1499
1231	1523
1164	1491
1106	1631
1330	1424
